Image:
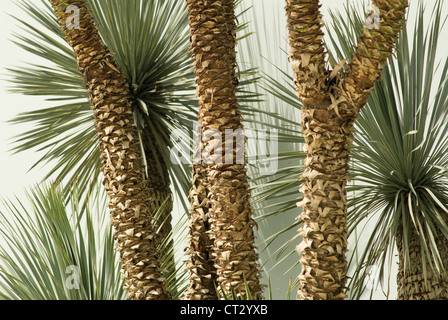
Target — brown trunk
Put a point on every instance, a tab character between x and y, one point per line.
130	202
212	25
331	102
327	143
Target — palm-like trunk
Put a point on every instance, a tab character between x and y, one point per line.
412	284
331	103
212	26
130	201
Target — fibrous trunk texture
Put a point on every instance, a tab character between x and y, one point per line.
331	102
412	284
131	208
212	27
324	244
200	264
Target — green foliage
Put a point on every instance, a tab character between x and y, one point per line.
49	242
53	251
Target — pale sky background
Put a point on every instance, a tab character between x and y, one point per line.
14	177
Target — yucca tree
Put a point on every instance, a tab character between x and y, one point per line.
399	195
54	250
153	55
222	223
131	203
331	101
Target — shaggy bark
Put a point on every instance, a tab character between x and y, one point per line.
130	202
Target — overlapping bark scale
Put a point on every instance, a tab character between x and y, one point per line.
213	40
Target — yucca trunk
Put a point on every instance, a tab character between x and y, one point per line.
213	37
130	202
412	284
331	102
200	264
160	193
